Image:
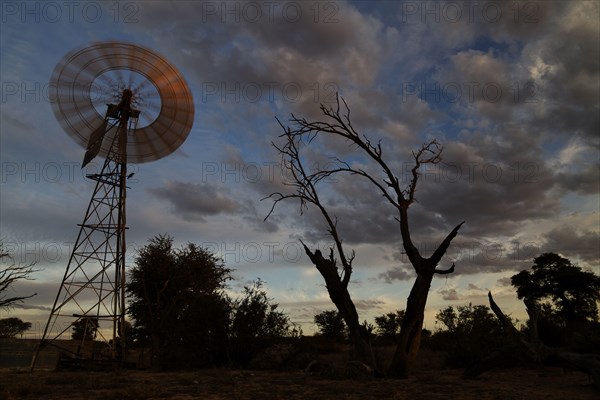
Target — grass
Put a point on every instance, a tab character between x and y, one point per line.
229	384
431	380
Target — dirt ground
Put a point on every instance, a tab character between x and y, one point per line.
236	384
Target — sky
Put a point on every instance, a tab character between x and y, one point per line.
510	89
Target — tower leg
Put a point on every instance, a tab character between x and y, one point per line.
93	286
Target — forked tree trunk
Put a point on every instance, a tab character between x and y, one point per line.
412	325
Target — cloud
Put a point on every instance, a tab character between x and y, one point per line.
504	180
583	179
503	282
32	307
197	201
568	74
570	242
368	304
396	273
231	48
449	294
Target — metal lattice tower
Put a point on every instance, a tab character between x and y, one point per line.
93	287
92	292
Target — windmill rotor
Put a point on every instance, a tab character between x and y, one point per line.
89	78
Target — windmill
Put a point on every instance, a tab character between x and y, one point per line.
126	104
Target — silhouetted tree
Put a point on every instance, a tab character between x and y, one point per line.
570	294
471	331
177	301
256	324
468	319
560	297
331	324
10	273
11	327
388	184
388	325
85	328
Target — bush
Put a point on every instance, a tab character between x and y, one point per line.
11	327
388	326
471	331
256	325
331	325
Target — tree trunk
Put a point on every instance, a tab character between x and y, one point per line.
359	336
532	323
412	326
156	362
338	292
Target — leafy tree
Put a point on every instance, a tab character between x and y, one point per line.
469	319
177	302
470	332
573	294
561	300
331	324
256	323
388	325
10	274
11	327
85	328
204	331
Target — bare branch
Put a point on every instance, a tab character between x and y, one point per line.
441	250
304	184
10	275
506	323
430	153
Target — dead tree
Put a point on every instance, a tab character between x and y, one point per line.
335	281
11	274
390	187
531	351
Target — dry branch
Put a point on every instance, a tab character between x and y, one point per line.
11	274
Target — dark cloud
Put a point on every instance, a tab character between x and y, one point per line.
367	304
573	243
396	273
274	53
197	201
504	181
584	180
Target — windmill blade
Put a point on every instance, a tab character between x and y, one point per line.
94	144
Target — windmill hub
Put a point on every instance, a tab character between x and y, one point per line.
123	110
